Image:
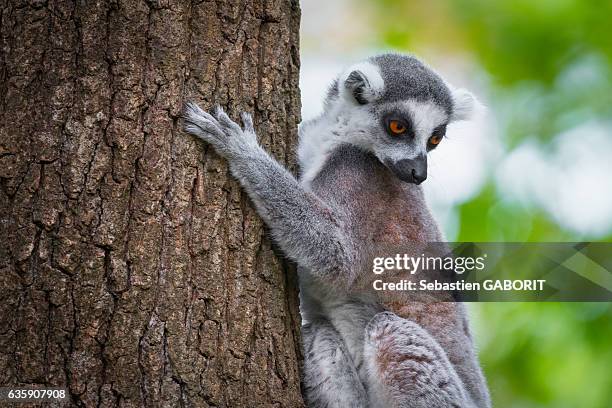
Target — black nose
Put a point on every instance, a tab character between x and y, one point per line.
411	170
419	176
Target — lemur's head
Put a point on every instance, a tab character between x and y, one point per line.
397	108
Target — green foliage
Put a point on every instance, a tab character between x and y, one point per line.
546	354
519	40
488	218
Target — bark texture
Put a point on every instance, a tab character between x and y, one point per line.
133	269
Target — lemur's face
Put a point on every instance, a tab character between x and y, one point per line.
404	132
399	110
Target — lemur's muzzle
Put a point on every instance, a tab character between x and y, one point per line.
410	170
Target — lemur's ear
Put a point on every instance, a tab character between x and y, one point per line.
464	104
362	83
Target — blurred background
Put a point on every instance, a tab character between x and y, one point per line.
534	165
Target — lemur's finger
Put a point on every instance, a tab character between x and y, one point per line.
247	122
191	109
225	120
216	110
198	121
203	129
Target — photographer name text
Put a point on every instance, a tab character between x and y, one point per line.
462	285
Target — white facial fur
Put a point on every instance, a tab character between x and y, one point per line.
426	116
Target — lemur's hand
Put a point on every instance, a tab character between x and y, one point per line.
216	128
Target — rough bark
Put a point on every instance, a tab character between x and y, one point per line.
133	269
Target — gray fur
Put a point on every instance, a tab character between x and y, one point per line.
362	347
412	79
330	379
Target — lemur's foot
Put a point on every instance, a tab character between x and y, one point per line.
216	128
407	367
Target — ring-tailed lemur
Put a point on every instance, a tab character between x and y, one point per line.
362	162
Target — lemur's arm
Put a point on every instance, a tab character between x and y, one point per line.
305	228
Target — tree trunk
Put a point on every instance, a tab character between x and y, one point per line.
133	269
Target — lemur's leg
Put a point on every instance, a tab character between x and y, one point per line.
330	378
304	227
407	367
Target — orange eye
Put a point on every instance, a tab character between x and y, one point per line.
396	127
435	140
